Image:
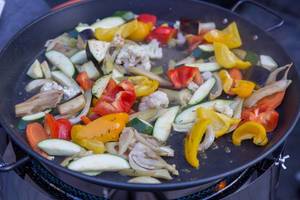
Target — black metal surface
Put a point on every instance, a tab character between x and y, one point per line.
270	11
28	44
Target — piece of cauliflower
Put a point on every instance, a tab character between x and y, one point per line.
157	99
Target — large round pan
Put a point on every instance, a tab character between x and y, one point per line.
21	51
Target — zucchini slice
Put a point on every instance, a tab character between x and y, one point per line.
189	115
141	126
108	22
205	67
163	124
35	70
79	58
96	50
202	91
100	85
59	147
61	61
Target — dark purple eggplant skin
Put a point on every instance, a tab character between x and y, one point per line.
87	34
91	57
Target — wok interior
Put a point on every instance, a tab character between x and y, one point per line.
28	45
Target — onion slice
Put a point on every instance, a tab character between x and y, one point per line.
85	110
275	87
273	75
208	140
217	89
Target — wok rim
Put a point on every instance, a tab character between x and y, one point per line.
132	186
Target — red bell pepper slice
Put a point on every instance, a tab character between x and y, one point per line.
116	98
269	119
194	41
270	102
60	128
147	18
162	34
182	76
51	126
84	81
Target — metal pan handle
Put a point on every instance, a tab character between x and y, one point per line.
266	9
6	167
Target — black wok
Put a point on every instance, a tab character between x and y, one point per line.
28	44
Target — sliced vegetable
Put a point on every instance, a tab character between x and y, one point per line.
100	85
243	88
158	173
79	58
268	62
205	67
142	72
141	126
35	116
84	81
35	70
268	90
147	18
208	139
162	34
61	61
39	102
108	22
182	128
96	50
227	59
163	124
85	110
216	91
36	84
229	36
143	86
189	115
273	75
250	130
90	69
142	31
205	27
126	15
35	133
70	83
100	162
202	91
103	129
46	70
220	123
181	97
144	179
73	106
149	115
116	98
58	147
182	76
157	70
226	81
192	141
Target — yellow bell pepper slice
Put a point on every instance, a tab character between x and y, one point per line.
226	80
124	30
250	130
192	141
95	146
228	59
229	36
220	123
141	32
104	129
143	86
243	88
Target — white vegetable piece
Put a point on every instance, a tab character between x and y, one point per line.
46	70
163	124
79	58
35	70
90	69
92	173
206	47
157	99
205	27
108	22
35	116
99	162
144	179
189	114
268	62
204	67
59	147
61	61
202	91
100	85
98	49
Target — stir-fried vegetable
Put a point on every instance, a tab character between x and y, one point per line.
117	104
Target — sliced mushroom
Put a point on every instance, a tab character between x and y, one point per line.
142	157
73	106
126	138
39	102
